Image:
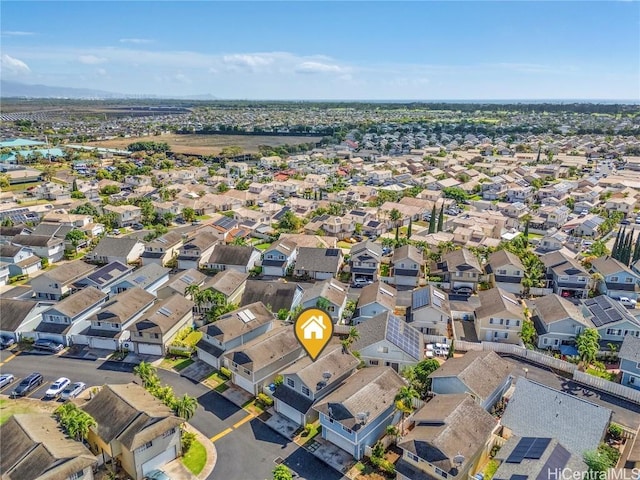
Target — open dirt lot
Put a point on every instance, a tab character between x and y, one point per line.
209	144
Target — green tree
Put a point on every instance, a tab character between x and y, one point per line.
458	194
85	209
409	228
76	237
148	374
404	400
77	423
222	187
74	186
185	407
433	220
188	214
282	472
289	222
441	219
395	216
587	345
420	381
598	461
528	333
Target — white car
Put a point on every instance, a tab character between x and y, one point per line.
628	302
57	387
6	379
72	390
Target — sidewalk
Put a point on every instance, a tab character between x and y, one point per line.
176	470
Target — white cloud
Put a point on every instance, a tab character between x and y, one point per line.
101	71
250	61
13	66
182	78
137	41
318	67
17	33
91	59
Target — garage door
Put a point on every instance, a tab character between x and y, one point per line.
149	349
159	460
243	383
104	343
339	441
288	411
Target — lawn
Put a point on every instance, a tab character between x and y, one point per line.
262	246
203	217
23	405
177	363
195	458
20	186
305	438
343	244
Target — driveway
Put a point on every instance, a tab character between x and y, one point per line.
247	448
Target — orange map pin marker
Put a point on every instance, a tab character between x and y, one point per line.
313	329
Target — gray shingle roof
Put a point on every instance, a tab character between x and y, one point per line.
124	306
318	259
114	247
331	289
232	325
536	410
276	294
164	315
231	255
497	300
69	272
226	282
553	308
266	349
79	301
630	349
14	312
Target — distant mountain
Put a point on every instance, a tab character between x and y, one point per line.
10	89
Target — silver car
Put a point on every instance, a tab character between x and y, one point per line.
57	387
72	390
6	379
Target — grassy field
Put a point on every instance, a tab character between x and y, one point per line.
208	144
23	405
195	458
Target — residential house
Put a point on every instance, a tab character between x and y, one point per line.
499	317
330	295
134	428
483	375
58	282
150	278
104	278
387	340
117	249
279	258
276	295
233	257
612	320
20	260
557	321
365	261
623	204
587	226
255	364
163	249
153	332
430	312
552	241
373	300
108	327
69	316
618	280
180	283
407	265
565	275
629	356
20	316
233	330
229	283
223	228
43	246
35	448
505	270
307	381
450	438
356	414
536	410
125	215
318	263
196	251
459	268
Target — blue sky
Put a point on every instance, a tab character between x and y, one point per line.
329	50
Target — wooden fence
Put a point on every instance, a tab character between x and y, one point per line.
606	386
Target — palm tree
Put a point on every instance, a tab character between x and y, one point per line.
185	407
395	216
204	297
353	335
596	278
392	431
404	401
147	373
192	290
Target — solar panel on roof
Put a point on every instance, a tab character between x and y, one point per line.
518	453
332	252
139	279
404	336
537	448
519	477
556	462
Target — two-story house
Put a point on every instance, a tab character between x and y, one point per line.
162	249
318	263
430	311
233	330
108	327
483	375
356	414
618	280
134	428
34	447
407	266
154	331
44	246
69	316
565	275
629	355
255	364
279	258
330	295
374	299
387	340
459	268
612	320
126	215
449	439
505	270
499	317
104	278
20	260
117	249
557	321
276	295
20	316
365	261
228	283
307	381
232	257
57	283
196	251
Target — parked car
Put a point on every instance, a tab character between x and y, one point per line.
565	294
137	226
628	302
47	346
28	384
6	341
6	379
72	390
361	282
463	290
57	387
157	475
625	222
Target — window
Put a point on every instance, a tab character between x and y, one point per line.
77	475
306	391
168	433
613	279
156	335
115	325
582	279
98	324
373	362
614	331
348	430
144	447
291	383
442	473
628	280
413	457
502	272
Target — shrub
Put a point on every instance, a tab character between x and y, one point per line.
225	372
279	380
187	439
378	450
615	431
264	400
178	352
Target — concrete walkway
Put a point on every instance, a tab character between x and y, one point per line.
177	471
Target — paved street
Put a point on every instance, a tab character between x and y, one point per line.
246	447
